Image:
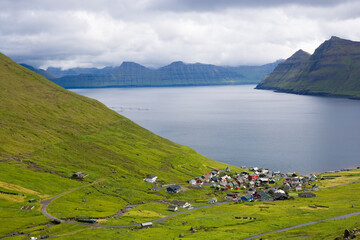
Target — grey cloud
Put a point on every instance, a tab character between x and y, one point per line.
71	33
213	5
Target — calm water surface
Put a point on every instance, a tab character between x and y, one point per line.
242	126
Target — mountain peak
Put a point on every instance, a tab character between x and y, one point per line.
177	63
335	38
300	55
130	64
301	52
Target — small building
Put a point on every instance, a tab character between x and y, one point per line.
306	195
264	180
312	177
181	204
173	208
315	187
252	177
85	220
173	189
247	198
192	182
280	195
212	201
146	225
287	187
214	179
230	185
199	182
227	169
262	196
231	195
150	178
272	181
79	175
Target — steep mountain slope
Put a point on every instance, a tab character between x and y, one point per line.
333	70
288	70
42	72
49	133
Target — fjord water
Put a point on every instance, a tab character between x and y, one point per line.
246	127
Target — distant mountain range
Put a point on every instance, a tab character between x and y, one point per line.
333	70
130	74
57	72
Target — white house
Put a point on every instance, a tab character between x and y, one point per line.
150	178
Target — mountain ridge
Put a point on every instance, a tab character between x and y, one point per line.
332	70
178	73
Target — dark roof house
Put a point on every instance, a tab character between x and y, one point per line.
173	189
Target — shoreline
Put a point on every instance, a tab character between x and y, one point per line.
162	86
308	93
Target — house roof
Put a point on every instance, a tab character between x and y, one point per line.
174	187
179	202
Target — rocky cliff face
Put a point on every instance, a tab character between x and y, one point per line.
333	69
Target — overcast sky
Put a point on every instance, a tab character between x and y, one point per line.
97	33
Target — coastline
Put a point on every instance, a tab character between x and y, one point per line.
308	93
160	86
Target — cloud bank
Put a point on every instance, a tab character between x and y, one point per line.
97	33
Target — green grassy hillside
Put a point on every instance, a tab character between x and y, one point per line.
49	133
333	69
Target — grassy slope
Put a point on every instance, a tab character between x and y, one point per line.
48	133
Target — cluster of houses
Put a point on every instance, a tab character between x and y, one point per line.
258	183
254	183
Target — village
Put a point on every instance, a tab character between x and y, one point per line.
252	184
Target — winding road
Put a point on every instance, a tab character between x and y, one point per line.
45	204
